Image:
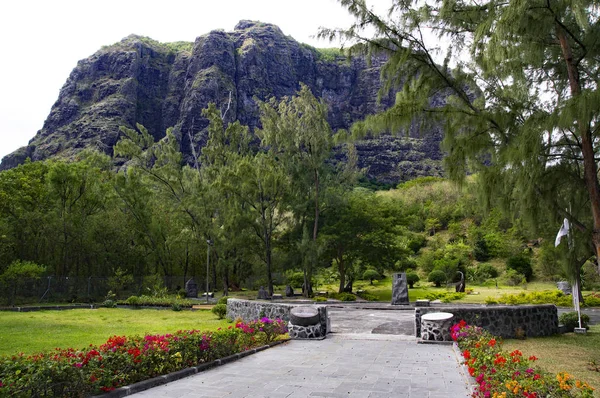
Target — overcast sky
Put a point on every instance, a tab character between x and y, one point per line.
42	40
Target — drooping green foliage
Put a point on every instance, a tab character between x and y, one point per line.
522	99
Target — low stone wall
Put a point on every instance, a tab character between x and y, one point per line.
250	310
502	321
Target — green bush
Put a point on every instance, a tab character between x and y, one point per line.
522	264
109	300
592	300
109	304
177	307
223	300
296	280
133	301
412	278
370	274
320	298
416	242
481	251
365	295
487	271
153	301
556	297
445	297
437	277
571	320
513	278
345	296
220	310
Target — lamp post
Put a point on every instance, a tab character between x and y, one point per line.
208	243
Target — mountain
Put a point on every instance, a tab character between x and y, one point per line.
161	85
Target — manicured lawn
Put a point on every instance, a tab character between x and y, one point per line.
382	289
31	332
570	353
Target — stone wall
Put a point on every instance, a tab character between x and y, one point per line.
250	310
501	321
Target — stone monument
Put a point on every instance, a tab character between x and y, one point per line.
564	287
263	294
289	292
191	289
460	286
400	290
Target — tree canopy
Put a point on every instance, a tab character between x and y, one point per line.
521	102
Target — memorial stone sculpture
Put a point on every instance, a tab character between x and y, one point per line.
289	292
263	294
191	289
400	290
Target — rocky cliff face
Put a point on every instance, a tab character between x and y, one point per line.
163	85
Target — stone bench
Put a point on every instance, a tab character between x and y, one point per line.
435	326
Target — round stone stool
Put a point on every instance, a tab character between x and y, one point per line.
305	323
435	326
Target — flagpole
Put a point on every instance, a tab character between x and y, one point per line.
565	230
576	286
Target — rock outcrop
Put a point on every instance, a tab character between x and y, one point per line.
161	85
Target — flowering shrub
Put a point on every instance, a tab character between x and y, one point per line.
126	360
500	374
269	328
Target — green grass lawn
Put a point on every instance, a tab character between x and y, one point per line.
570	353
32	332
382	289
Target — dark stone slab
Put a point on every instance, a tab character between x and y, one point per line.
400	290
191	289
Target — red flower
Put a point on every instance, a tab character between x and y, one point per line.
499	360
471	371
492	342
466	354
533	358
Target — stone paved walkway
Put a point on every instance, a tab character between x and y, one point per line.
343	365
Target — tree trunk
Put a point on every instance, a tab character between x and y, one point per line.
342	272
590	169
225	280
267	240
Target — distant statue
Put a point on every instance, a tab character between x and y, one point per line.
348	287
460	286
263	294
289	292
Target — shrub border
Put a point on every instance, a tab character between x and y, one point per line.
180	374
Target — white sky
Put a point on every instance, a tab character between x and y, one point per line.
42	40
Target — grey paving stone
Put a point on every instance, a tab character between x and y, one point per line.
356	365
